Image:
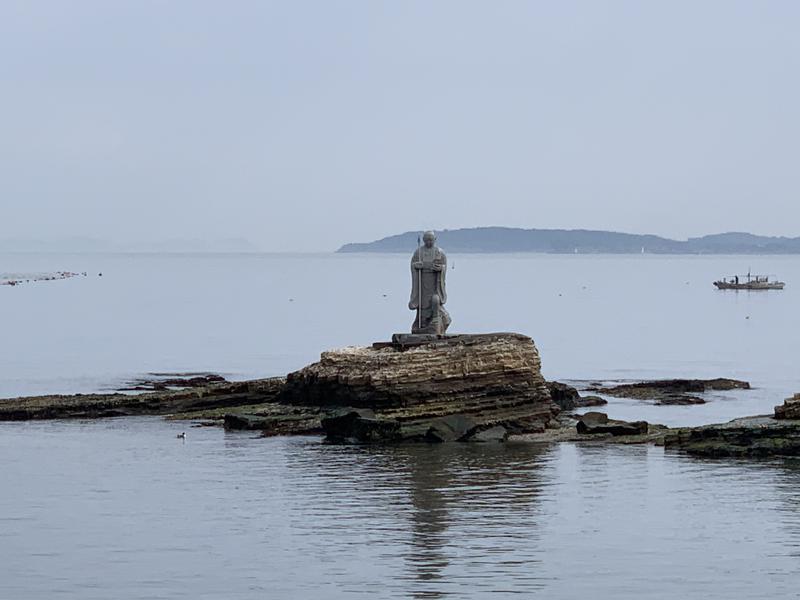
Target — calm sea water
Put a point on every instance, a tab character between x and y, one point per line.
120	508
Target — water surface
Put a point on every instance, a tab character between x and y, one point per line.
120	508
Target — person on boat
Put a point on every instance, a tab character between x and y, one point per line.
737	279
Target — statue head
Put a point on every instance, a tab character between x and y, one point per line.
428	239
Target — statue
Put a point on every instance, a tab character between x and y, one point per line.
428	291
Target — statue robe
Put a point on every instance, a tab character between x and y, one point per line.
427	282
433	282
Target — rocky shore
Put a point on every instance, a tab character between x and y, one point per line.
477	388
88	406
439	388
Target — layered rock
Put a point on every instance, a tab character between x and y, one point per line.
413	390
790	409
208	397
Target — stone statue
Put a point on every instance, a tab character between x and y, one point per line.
428	291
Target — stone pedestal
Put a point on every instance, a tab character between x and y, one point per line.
427	387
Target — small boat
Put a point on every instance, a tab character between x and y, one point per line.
748	282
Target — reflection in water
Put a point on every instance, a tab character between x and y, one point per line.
788	484
459	509
121	509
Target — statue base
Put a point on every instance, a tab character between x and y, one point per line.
423	386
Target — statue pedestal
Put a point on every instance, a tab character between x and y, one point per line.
427	387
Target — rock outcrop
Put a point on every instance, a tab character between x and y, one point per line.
596	422
790	409
563	395
451	387
567	398
671	391
209	397
161	382
436	388
746	437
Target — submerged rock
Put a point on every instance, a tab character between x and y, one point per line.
445	388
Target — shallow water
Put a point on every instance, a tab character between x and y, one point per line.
120	508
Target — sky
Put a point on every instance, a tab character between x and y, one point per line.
303	125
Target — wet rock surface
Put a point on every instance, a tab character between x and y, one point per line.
670	391
566	430
567	397
759	436
587	401
171	381
597	422
210	397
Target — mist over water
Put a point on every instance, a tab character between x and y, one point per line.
121	508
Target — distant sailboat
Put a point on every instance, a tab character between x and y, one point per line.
642	249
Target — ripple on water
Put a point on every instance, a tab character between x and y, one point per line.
120	508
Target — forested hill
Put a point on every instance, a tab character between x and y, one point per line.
507	239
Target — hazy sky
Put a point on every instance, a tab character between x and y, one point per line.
303	125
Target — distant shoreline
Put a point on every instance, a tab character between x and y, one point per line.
503	240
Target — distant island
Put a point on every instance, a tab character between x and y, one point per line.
582	241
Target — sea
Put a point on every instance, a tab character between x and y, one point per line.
122	508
